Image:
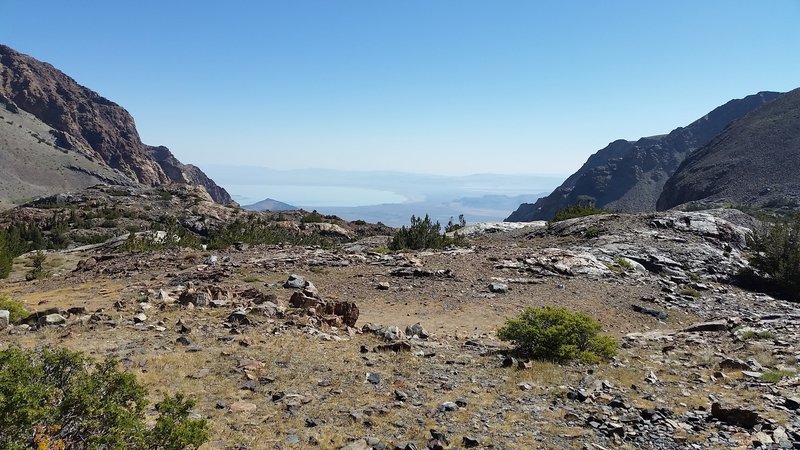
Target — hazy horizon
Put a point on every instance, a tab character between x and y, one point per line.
430	87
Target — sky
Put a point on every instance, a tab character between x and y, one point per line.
442	87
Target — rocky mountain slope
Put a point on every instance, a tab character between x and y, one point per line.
249	332
80	122
754	162
628	175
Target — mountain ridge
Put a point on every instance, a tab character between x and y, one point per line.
753	162
629	175
84	122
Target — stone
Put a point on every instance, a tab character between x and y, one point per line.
139	318
393	333
716	325
470	442
239	318
660	315
360	444
792	403
509	361
400	346
52	319
417	331
373	378
242	406
5	318
295	282
183	340
382	286
745	418
448	406
498	288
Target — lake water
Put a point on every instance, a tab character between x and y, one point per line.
303	196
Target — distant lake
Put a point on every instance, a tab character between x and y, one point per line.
302	195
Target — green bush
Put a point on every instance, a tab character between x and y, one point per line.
60	399
422	234
16	309
37	266
6	257
776	256
312	217
557	334
578	210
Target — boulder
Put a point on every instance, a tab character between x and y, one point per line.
295	282
5	318
742	417
417	331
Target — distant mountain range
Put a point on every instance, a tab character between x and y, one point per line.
269	204
57	136
631	175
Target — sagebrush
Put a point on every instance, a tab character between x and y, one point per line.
558	335
60	399
424	233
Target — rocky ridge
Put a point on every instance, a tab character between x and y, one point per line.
754	162
629	176
82	121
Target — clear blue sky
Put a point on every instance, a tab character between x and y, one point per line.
450	87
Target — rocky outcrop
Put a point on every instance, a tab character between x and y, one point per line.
87	123
754	162
629	176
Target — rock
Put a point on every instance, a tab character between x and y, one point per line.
400	395
360	444
382	286
509	361
243	406
735	416
295	282
202	373
52	319
792	403
752	374
393	333
498	288
400	346
761	439
86	264
660	315
525	386
716	325
733	364
470	442
5	318
183	340
373	378
238	317
139	318
417	331
448	406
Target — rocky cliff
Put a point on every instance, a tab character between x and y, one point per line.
630	175
754	162
84	122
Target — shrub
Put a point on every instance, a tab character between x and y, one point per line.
592	232
557	334
60	399
37	266
578	210
421	234
451	227
15	308
689	292
312	217
6	257
776	256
